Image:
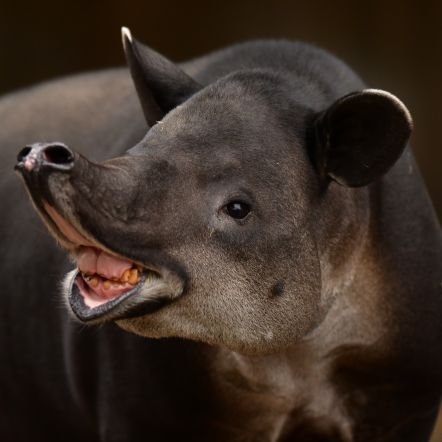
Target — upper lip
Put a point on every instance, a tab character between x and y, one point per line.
65	229
76	237
68	232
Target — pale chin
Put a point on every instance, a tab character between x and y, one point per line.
66	285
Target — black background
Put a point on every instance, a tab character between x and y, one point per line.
394	45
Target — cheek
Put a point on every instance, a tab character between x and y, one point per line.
258	304
292	293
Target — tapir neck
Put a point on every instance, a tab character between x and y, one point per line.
276	395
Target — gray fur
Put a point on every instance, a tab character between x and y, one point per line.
346	348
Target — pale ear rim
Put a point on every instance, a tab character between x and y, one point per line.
126	35
151	111
161	84
396	100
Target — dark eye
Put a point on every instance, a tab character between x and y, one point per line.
237	209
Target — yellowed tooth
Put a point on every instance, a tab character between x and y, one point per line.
107	284
93	282
126	275
133	278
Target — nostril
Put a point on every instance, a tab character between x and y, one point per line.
58	154
49	156
23	153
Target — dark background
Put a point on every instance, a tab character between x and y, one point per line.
394	45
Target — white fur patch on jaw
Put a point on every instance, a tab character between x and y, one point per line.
65	287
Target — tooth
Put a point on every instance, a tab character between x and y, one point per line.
126	275
93	282
133	278
107	284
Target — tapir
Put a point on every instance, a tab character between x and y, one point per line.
244	251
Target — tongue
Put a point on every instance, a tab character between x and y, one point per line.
90	261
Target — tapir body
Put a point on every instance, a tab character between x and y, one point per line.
290	253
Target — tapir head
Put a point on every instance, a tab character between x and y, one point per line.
234	220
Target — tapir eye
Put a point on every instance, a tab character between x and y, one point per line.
237	209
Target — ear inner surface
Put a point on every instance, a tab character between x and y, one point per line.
361	136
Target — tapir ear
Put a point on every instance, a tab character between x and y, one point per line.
360	136
161	85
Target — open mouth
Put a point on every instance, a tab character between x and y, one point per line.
102	282
102	277
107	286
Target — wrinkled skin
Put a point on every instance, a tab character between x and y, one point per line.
299	322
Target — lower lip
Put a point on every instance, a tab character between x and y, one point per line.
86	313
93	299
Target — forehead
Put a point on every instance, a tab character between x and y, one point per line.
241	114
242	127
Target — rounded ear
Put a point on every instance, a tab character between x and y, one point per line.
161	84
360	137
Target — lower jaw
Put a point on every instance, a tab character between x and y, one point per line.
115	309
104	311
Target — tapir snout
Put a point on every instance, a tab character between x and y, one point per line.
86	205
55	174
